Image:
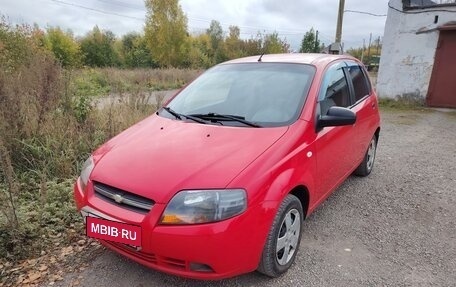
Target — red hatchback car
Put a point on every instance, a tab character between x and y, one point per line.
218	182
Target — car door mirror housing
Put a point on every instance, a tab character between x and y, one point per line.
337	116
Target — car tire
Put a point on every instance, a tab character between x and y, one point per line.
283	240
365	168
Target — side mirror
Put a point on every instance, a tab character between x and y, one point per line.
337	116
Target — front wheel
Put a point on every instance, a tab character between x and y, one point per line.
365	168
283	239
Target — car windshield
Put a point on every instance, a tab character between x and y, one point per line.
248	94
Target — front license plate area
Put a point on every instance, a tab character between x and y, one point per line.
113	231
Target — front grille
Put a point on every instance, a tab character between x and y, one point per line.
123	198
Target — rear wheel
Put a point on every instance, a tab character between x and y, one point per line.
283	239
365	168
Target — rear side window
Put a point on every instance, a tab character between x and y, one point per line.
360	83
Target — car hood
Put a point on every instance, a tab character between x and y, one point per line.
158	157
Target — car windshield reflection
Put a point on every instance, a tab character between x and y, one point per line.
261	94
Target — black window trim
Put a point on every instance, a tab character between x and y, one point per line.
350	83
351	88
319	91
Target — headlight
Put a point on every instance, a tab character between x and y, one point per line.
203	206
86	170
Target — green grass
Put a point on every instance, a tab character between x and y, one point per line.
104	81
401	104
44	210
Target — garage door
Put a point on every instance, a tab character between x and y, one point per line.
442	88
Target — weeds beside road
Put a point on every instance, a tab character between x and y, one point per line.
44	141
48	127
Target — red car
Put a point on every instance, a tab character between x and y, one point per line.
218	182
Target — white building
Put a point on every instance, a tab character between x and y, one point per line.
418	57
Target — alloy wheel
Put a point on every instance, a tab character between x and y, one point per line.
287	240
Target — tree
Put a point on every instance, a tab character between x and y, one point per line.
310	43
272	44
135	52
198	50
63	46
215	33
166	31
98	49
265	44
253	46
233	43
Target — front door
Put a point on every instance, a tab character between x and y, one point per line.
336	146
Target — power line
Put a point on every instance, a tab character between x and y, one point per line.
257	28
254	29
122	4
96	10
366	13
206	20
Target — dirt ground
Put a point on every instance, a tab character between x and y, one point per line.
396	227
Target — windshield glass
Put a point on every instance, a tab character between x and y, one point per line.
266	94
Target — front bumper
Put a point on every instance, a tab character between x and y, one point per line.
206	251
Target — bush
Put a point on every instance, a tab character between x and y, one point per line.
48	127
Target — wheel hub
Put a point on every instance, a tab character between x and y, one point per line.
287	240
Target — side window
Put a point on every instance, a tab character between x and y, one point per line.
334	91
360	83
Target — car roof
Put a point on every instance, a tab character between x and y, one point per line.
300	58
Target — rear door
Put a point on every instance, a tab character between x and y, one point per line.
365	107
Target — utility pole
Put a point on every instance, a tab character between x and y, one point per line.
340	19
378	45
317	48
336	47
369	47
362	53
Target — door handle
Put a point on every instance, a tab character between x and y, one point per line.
374	105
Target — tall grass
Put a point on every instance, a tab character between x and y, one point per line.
48	127
113	81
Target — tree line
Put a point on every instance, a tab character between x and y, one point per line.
165	42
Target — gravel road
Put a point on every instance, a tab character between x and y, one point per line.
396	227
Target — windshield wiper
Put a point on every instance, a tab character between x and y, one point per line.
224	117
180	116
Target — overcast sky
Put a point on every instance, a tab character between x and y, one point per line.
290	18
